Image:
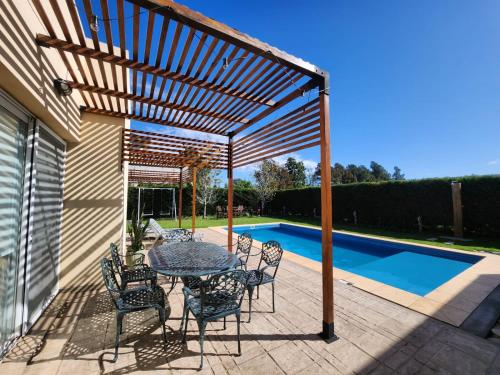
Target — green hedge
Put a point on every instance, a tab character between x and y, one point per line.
397	204
392	204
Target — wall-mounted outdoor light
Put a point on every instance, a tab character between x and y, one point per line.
62	87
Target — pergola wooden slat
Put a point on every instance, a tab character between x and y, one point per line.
191	72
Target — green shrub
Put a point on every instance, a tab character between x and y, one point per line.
398	204
391	204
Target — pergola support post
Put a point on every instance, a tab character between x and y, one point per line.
230	194
328	332
180	197
193	205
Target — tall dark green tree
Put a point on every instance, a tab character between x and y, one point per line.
338	172
378	172
397	175
296	171
239	183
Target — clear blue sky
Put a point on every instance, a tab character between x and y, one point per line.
414	83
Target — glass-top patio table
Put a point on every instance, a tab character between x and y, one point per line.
183	259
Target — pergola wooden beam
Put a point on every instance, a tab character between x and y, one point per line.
286	100
193	201
328	332
197	20
173	124
181	182
230	194
62	45
156	102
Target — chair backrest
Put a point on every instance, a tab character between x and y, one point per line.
155	226
223	289
115	256
244	244
271	255
178	235
108	274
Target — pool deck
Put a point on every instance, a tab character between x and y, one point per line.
451	302
75	336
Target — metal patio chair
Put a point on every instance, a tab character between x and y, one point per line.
135	299
243	248
270	258
219	296
136	272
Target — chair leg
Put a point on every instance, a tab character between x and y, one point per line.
202	326
185	327
250	292
272	284
257	291
224	323
119	321
238	328
161	313
184	311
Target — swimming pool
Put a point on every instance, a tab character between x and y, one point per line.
416	269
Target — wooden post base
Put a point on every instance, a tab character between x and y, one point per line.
328	333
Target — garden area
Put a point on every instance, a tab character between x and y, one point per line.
365	200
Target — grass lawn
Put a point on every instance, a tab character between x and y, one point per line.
479	244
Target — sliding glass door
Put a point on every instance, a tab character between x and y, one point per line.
32	162
46	215
13	137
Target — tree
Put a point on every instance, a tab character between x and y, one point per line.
296	172
338	172
317	174
239	183
359	173
379	172
310	177
207	181
267	181
397	175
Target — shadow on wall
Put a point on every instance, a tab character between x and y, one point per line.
28	70
93	200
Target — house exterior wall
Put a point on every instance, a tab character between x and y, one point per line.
94	200
27	71
94	184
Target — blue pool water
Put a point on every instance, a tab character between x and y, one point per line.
415	269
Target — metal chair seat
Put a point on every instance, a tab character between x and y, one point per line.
211	311
257	277
142	298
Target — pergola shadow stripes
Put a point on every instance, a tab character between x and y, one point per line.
179	68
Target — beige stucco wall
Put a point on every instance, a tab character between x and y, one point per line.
27	71
94	200
95	185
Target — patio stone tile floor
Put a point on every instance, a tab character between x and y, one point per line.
76	336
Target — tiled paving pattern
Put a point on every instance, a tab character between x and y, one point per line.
375	337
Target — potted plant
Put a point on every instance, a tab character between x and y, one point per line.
137	233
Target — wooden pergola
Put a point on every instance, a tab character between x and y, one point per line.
191	72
